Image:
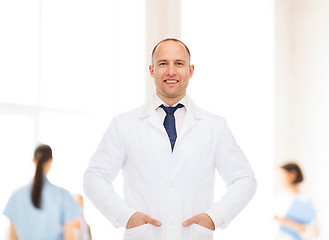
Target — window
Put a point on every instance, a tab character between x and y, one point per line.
68	67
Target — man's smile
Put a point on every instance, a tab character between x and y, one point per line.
171	81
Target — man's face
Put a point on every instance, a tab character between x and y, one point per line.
171	71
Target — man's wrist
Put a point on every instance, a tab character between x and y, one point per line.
124	217
216	218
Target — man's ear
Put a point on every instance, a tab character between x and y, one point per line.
191	70
151	70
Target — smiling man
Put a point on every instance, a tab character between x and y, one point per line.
168	151
171	70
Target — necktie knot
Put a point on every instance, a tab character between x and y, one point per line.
171	110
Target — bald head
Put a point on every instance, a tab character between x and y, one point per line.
166	40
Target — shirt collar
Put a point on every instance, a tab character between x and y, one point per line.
157	102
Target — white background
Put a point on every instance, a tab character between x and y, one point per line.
67	67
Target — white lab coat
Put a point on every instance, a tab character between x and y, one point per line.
169	186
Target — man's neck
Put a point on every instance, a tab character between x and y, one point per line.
170	101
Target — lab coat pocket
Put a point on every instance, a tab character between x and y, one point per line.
139	233
199	232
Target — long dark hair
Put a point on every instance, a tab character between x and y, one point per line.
294	168
42	154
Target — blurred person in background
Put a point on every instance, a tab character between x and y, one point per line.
81	228
41	210
295	214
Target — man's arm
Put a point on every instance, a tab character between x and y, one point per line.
235	170
103	168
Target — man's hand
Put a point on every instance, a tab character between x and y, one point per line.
138	219
202	219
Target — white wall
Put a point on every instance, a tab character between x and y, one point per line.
163	20
302	102
232	47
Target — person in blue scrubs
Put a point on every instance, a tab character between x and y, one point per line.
41	210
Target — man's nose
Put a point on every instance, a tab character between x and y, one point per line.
171	69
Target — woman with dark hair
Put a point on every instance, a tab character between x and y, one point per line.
41	210
297	220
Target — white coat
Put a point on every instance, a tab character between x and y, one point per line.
171	187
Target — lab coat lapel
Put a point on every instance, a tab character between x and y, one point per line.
155	121
152	118
193	114
188	123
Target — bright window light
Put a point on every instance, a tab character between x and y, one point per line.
68	67
19	43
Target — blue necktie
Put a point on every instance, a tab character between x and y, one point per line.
169	123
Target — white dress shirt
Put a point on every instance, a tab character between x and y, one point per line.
169	186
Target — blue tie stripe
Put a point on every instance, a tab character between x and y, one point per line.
169	123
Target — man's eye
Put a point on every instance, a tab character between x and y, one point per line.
161	64
180	63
